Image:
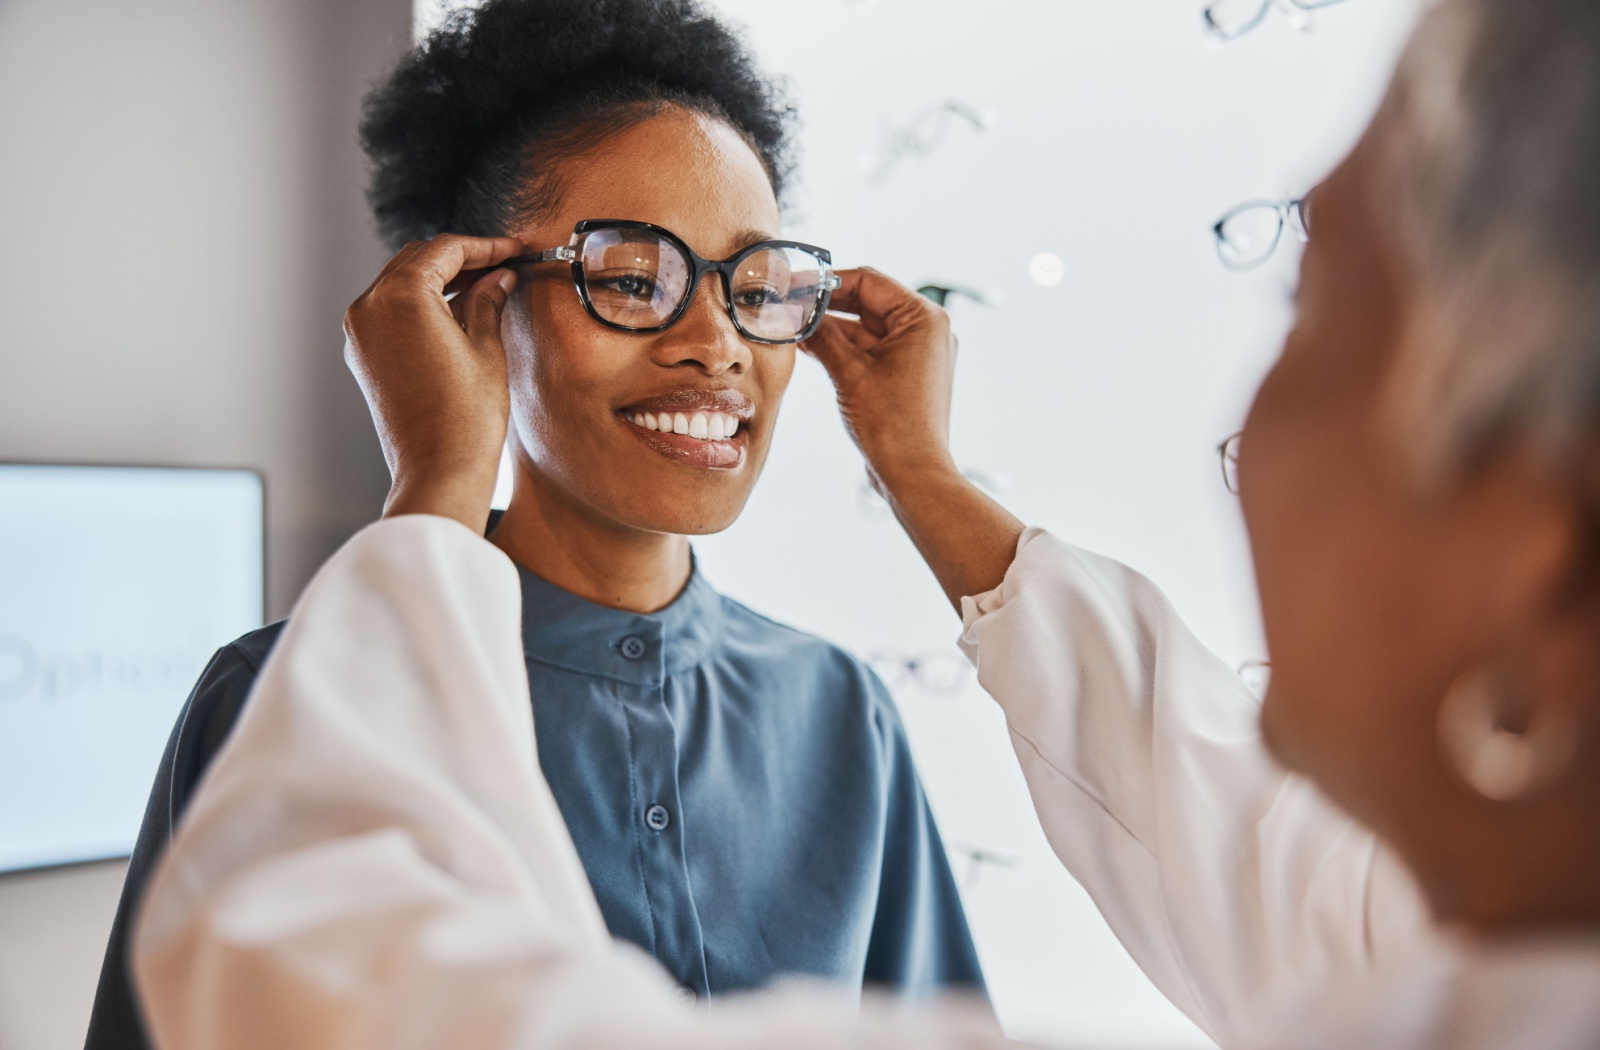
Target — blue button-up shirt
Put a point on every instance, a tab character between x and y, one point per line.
741	795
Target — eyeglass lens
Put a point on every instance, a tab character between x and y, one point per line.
777	291
1257	675
634	278
1231	19
1230	463
1247	237
1234	18
639	279
938	672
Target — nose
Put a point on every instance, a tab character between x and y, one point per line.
705	337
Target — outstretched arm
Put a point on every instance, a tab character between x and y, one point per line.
1228	881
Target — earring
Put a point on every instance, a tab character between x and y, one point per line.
1497	763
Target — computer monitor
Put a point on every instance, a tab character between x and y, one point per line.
116	586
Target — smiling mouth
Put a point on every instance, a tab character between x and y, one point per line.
702	426
701	429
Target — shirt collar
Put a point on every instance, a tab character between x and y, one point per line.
563	630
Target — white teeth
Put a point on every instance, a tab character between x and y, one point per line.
706	426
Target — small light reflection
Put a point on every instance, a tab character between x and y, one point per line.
1047	269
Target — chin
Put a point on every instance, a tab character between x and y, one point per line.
691	524
681	515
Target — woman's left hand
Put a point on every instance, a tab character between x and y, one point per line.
434	372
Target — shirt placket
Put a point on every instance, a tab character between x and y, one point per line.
658	817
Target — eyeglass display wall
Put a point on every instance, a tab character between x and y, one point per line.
1063	167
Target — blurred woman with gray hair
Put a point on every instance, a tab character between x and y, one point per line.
1399	847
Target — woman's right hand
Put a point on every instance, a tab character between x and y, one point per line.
433	371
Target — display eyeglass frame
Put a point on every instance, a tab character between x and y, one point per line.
1299	10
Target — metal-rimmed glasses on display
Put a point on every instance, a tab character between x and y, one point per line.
1256	675
939	672
1249	234
976	858
641	278
1229	451
1227	20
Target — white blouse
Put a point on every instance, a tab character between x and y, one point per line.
374	859
1267	915
1230	882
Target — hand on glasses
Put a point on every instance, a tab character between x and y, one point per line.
892	363
434	372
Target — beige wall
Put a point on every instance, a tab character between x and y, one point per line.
180	195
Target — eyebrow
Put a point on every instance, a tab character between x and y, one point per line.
745	238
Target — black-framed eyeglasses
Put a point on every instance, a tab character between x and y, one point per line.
641	278
1228	20
1229	450
1249	233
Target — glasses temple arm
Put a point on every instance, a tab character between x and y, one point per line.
563	254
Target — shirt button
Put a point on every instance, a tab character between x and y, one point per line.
633	647
687	995
657	817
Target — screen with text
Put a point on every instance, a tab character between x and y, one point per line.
116	586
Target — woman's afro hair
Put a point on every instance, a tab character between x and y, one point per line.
464	134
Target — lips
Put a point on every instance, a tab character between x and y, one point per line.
706	429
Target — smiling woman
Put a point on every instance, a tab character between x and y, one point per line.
598	181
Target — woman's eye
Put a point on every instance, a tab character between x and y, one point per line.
632	285
752	297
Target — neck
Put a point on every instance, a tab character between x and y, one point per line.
547	532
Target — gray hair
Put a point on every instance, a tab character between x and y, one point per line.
1491	161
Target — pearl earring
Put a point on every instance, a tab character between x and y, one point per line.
1499	764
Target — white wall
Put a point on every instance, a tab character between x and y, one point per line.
1122	136
181	194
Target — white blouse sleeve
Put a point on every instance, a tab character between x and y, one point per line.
1227	879
374	859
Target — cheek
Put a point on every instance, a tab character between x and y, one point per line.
1347	566
562	381
774	368
1321	567
557	371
